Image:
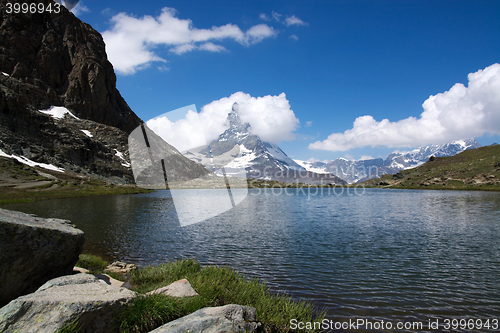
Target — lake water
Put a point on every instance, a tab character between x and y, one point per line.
392	255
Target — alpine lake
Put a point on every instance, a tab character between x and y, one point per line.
383	256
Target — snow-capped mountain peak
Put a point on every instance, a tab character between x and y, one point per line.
259	159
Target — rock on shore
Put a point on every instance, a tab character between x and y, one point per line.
61	301
230	318
34	250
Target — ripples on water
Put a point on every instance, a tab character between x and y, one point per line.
386	254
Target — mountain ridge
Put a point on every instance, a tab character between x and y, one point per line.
258	159
362	170
472	169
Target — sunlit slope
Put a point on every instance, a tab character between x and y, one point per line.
477	169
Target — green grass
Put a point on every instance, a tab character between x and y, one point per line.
144	314
94	264
66	190
474	169
69	185
216	286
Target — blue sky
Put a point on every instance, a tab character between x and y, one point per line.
335	61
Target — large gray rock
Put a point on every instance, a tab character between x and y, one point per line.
223	319
63	300
34	250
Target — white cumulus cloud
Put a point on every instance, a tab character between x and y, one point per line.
276	16
131	42
293	20
264	17
270	117
461	112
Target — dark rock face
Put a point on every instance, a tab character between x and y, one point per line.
149	154
34	250
56	59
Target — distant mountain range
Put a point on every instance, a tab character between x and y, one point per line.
243	151
238	150
361	170
470	169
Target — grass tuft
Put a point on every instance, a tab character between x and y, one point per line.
146	313
94	264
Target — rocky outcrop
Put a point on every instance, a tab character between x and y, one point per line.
155	162
81	297
181	288
34	250
228	319
57	60
54	59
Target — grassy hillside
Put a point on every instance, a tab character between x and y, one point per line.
475	169
22	183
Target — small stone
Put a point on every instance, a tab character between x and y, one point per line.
80	270
181	288
120	267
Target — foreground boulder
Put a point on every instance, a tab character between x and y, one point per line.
224	319
181	288
63	300
34	250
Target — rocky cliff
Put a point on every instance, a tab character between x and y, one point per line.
54	59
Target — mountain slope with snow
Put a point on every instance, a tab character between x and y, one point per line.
238	150
356	171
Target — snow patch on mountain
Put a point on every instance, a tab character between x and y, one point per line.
124	161
31	163
309	166
58	112
87	133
